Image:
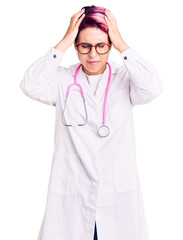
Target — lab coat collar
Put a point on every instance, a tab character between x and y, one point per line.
100	92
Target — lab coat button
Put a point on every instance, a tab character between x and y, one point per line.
54	55
125	57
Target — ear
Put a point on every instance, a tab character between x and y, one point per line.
75	46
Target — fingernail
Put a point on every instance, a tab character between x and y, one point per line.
83	9
106	10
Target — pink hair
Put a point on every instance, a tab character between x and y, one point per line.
94	17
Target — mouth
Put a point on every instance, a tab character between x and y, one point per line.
93	62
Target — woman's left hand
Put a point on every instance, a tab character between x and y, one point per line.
114	33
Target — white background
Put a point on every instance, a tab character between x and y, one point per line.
28	30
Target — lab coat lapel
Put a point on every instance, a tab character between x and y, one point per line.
98	99
85	85
100	92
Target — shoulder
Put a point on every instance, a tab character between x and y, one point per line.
71	69
115	67
68	70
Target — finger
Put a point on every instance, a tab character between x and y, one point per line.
80	11
107	20
80	19
111	21
111	17
78	16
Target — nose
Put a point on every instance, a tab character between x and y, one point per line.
93	52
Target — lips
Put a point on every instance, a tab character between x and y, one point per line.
93	62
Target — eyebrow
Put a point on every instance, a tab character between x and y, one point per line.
90	43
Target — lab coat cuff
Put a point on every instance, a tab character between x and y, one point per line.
129	55
54	55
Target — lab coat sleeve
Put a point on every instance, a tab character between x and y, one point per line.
40	81
144	81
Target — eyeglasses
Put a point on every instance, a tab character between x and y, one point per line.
85	48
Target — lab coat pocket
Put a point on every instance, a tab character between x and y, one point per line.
64	178
125	171
119	106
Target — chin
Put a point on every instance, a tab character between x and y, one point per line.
90	68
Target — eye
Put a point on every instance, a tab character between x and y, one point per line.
85	45
101	45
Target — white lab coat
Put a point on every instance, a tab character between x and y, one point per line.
94	178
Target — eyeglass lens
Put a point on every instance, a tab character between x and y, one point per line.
101	48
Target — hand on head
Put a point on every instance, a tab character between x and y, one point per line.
72	30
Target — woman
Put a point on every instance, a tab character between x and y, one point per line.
94	183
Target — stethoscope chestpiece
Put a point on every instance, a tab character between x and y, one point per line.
103	131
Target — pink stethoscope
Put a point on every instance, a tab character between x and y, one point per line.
103	131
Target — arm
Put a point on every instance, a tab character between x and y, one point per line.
40	81
145	83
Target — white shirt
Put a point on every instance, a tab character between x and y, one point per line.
93	81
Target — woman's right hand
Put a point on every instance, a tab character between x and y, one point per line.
72	31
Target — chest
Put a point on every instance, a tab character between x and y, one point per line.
90	108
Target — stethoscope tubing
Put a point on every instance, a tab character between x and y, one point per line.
81	90
77	84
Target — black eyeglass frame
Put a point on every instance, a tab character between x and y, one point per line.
90	45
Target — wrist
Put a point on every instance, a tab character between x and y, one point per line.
62	46
123	48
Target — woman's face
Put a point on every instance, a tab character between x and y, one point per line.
93	36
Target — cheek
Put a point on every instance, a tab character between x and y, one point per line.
82	58
105	57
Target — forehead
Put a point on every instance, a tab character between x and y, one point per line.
92	35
